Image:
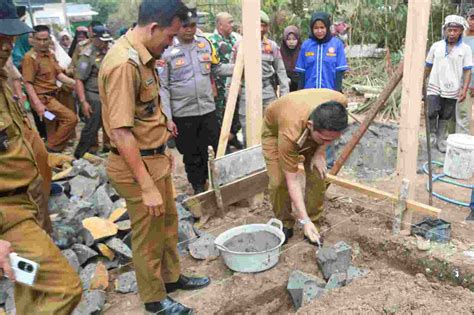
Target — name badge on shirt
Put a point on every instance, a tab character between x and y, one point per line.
149	82
309	54
180	62
331	52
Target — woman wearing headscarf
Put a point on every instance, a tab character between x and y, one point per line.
290	49
322	61
65	40
81	34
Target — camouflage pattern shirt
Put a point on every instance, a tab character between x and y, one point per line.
223	46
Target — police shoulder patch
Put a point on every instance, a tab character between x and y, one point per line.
133	55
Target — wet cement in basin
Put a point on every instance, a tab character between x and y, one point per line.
252	242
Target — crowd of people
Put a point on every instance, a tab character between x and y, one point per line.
165	80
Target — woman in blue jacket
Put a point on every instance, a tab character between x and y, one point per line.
322	61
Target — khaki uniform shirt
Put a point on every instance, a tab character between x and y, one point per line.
287	118
128	87
17	163
88	66
81	46
41	70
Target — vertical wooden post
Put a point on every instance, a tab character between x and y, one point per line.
253	78
414	57
401	206
253	70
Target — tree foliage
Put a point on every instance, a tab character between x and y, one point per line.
372	21
104	7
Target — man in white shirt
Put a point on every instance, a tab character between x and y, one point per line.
448	65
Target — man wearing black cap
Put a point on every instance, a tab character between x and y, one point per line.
57	289
186	93
87	87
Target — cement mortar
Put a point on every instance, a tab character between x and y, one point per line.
252	242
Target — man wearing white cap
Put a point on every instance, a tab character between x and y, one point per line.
448	65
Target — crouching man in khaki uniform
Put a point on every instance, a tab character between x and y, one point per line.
140	165
301	123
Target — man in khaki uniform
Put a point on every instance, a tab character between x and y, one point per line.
57	289
44	160
139	166
40	72
301	123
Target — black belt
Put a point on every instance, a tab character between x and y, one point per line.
149	152
17	191
52	94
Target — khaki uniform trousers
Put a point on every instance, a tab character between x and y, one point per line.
57	289
278	190
154	239
40	189
66	97
61	129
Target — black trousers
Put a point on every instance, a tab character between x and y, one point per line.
40	125
93	124
196	133
441	107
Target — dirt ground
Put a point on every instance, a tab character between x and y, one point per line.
402	279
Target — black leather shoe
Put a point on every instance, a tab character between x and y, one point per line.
167	306
288	234
187	283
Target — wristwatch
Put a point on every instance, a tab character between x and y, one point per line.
303	222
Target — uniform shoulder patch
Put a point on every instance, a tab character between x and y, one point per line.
34	55
203	41
133	56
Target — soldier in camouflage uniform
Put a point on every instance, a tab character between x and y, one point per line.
223	39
